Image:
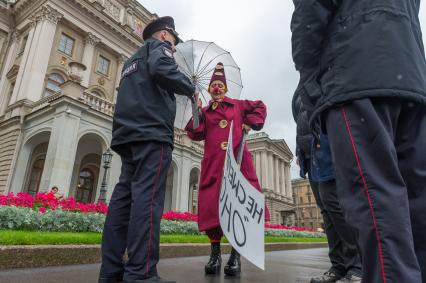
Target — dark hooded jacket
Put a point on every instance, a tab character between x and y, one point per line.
313	152
354	49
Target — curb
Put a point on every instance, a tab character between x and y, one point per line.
49	255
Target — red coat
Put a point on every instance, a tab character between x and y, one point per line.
214	130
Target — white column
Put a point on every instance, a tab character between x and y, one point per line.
18	180
8	63
284	179
32	72
288	181
276	174
183	194
121	60
258	167
264	171
89	51
271	172
114	175
60	157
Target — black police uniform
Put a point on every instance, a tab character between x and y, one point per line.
316	162
143	137
363	72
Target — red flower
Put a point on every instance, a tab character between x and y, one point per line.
42	209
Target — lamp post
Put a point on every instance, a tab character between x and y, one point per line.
106	158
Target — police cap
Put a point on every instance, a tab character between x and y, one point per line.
163	23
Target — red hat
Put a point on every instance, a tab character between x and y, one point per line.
219	74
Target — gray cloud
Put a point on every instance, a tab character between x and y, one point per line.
257	33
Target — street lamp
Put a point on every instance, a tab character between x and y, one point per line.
106	158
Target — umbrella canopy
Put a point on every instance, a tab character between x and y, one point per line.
197	60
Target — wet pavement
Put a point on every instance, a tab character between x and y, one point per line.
295	266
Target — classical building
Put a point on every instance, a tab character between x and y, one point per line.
308	214
60	65
272	160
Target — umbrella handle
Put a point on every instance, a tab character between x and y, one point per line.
241	149
195	110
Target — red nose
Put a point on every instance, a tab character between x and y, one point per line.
216	89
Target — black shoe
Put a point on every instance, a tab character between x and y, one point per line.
154	279
350	278
215	261
110	280
329	276
233	267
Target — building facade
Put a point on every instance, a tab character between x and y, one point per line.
60	66
308	214
272	160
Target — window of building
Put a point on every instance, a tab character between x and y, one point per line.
53	84
9	98
309	199
97	93
103	65
35	176
23	44
66	44
301	199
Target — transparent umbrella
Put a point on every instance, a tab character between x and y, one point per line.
197	60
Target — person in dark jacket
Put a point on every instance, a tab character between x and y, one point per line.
363	79
314	158
143	137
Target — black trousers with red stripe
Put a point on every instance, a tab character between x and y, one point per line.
135	210
379	151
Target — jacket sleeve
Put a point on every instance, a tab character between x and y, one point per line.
164	70
199	133
309	26
254	113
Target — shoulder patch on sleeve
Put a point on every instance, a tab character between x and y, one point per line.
167	52
133	67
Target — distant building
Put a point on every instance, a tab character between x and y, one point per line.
272	160
308	214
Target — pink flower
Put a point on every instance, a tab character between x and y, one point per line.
42	210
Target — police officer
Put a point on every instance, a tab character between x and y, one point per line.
314	159
143	137
363	78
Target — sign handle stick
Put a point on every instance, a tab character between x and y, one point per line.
241	150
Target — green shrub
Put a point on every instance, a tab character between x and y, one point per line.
15	218
21	218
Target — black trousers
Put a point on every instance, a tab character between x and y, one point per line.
135	210
379	151
343	252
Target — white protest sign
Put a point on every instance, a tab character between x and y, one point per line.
242	211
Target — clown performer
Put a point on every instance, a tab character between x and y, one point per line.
215	121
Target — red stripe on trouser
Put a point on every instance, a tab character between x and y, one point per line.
157	176
370	203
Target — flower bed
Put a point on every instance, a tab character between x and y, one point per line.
47	201
45	212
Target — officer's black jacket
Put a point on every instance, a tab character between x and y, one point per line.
146	106
354	49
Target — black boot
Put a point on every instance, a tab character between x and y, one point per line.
215	261
233	267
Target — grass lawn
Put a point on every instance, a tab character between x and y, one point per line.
11	237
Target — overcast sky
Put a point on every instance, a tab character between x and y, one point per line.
257	33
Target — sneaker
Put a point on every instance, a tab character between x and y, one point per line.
329	276
350	278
